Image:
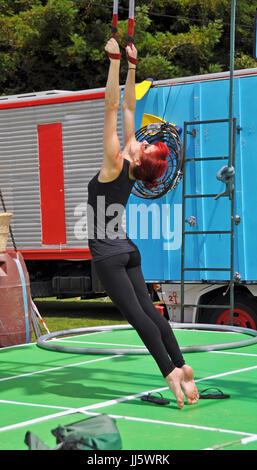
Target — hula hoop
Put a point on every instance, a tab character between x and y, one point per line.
42	341
168	134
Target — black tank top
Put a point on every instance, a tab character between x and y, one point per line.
106	205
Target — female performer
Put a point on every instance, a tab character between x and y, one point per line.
116	258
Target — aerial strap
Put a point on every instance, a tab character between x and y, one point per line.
131	21
115	18
115	27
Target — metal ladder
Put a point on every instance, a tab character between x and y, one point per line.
185	234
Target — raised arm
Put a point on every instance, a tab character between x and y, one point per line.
112	151
129	99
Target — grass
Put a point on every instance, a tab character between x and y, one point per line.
66	314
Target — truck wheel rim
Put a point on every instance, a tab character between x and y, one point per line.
240	318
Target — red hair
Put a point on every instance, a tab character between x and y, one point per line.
153	165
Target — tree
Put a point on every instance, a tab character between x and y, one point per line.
59	44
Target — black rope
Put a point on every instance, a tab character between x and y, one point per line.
163	15
10	228
167	100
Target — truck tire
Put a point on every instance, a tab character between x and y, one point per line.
244	313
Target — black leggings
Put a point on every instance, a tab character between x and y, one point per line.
123	281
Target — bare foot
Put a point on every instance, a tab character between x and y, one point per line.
174	382
188	385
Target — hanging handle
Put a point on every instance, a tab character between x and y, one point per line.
115	18
131	21
114	28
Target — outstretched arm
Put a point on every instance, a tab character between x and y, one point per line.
129	99
112	153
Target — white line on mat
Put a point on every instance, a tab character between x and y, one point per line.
233	353
250	436
58	368
114	402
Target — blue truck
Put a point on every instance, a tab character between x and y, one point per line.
197	218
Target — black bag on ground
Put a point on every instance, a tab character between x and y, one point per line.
96	433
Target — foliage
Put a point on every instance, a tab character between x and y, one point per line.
59	44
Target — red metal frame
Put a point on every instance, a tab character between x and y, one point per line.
53	100
57	254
